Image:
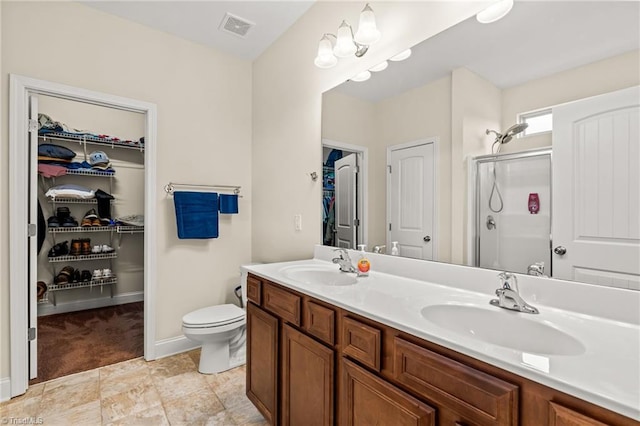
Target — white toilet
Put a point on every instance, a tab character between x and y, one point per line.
221	331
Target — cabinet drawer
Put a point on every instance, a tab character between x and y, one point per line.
254	287
478	397
320	321
361	342
282	303
563	416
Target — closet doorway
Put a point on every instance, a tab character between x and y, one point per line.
85	259
344	195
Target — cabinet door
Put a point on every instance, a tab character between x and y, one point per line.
307	380
262	361
562	416
369	400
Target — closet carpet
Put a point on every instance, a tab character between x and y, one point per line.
80	341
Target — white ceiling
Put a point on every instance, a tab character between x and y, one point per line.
536	39
198	21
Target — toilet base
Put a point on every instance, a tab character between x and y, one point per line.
214	358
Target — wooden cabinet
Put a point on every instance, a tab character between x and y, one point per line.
262	361
307	380
369	400
312	363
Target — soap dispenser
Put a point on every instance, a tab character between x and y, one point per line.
394	249
363	263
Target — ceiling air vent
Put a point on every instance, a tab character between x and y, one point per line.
235	25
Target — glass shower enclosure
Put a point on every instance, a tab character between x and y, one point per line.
513	212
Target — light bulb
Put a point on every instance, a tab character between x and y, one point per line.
494	12
325	58
367	33
362	76
401	56
344	45
380	67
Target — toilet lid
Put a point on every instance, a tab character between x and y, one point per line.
213	316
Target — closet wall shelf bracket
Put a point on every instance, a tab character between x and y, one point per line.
170	188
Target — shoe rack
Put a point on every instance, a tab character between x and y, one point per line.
95	260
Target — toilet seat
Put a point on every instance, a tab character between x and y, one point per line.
214	316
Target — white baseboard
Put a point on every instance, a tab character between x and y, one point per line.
174	345
5	389
101	302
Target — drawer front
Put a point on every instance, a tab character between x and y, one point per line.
282	303
320	322
480	398
254	287
563	416
361	342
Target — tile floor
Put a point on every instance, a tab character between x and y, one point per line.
169	391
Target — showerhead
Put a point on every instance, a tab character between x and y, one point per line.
502	138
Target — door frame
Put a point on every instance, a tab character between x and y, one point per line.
362	153
21	87
434	140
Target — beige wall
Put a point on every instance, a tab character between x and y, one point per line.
287	102
204	135
593	79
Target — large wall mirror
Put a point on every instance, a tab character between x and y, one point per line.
447	169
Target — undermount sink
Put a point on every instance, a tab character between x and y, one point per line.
319	275
503	328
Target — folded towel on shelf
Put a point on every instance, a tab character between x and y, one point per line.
196	214
229	203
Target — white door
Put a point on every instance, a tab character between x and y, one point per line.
33	236
410	199
596	190
345	204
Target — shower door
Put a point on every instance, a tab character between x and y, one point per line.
513	211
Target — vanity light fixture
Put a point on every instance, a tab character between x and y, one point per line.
380	67
496	11
361	76
401	56
346	44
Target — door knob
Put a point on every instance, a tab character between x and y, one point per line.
560	250
427	239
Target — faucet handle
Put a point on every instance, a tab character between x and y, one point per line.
506	279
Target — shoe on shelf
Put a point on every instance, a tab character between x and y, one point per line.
42	289
106	273
60	249
64	276
85	246
63	213
53	222
96	250
97	274
69	222
75	277
85	276
107	249
90	218
76	248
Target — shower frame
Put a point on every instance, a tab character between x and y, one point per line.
474	220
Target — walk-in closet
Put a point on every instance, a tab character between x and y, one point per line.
90	258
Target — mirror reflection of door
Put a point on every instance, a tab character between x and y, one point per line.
342	195
596	205
411	199
346	224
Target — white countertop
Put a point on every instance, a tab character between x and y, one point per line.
607	373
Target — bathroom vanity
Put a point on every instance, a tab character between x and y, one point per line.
324	347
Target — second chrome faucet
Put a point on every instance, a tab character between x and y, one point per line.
509	296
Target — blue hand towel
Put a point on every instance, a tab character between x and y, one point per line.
229	203
196	214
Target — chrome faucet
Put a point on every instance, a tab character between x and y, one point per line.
509	297
344	261
380	249
536	269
